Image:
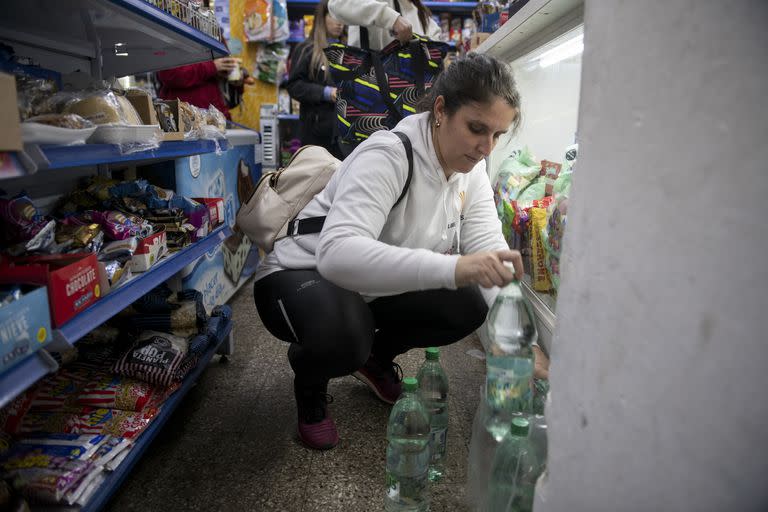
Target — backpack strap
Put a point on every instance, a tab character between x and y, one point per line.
409	154
311	225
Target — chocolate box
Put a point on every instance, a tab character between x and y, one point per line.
72	280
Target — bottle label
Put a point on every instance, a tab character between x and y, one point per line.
437	440
508	388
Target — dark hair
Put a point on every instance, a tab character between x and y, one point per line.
424	14
477	78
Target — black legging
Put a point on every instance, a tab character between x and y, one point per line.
332	331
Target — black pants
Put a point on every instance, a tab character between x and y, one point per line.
333	331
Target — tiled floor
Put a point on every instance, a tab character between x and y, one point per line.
231	444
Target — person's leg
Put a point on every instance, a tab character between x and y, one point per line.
331	332
417	319
429	318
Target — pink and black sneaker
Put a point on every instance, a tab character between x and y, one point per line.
384	379
316	428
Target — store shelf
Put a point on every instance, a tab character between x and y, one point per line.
117	477
24	374
114	302
544	309
288	117
62	157
536	23
90	29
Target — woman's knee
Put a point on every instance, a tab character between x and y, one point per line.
472	307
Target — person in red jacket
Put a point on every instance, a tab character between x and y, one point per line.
199	84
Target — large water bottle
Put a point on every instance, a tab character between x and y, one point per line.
408	453
511	331
514	472
433	389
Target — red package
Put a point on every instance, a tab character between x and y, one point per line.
215	208
116	392
88	420
550	170
72	280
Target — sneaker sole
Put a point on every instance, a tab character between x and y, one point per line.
315	447
362	378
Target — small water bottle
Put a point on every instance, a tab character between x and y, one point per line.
509	361
408	453
433	389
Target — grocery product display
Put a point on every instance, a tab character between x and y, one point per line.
96	350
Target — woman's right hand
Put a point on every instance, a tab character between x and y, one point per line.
403	30
487	268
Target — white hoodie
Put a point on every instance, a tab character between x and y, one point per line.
378	16
369	247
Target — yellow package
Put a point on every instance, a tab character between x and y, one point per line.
537	223
309	21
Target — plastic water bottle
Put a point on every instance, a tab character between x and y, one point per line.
433	389
514	472
408	453
511	331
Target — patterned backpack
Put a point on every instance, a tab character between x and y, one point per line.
376	89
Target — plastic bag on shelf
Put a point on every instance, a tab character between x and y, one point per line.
257	20
118	121
32	95
271	62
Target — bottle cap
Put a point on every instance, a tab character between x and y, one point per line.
410	384
432	353
519	427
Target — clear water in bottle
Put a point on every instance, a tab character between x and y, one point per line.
433	389
408	453
514	472
509	362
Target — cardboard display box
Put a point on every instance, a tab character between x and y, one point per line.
146	110
149	251
25	327
10	127
72	280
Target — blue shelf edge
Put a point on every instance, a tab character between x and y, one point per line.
167	20
288	117
24	374
114	302
117	477
62	157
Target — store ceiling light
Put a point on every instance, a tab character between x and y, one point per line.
563	51
121	50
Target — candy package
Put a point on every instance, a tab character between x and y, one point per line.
24	228
153	358
540	275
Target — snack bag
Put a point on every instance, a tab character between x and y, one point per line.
256	21
541	281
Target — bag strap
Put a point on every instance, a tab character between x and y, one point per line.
311	225
364	41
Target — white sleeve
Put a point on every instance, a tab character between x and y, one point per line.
349	253
433	30
365	13
481	229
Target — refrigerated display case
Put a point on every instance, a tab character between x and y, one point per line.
543	43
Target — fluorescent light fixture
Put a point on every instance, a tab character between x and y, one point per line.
568	49
121	50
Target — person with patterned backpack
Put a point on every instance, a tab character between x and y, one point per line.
391	60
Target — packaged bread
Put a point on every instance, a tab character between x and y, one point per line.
71	121
105	107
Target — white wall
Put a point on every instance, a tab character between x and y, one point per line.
659	388
550	101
